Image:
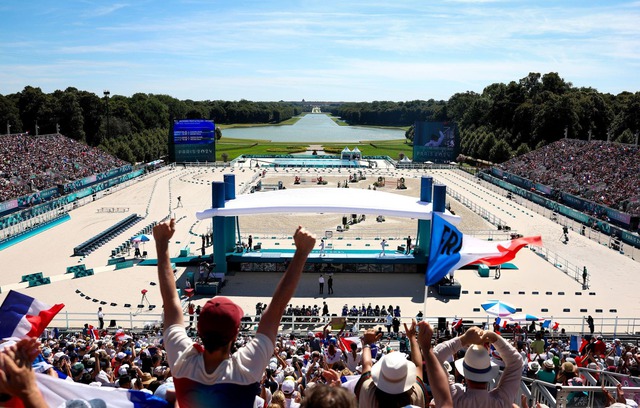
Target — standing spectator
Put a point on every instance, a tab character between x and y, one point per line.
322	247
210	373
250	244
388	323
191	310
100	318
396	326
393	381
592	326
404	343
325	309
330	284
585	274
408	251
321	283
136	245
478	369
353	357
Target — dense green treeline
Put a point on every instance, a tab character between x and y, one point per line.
502	121
512	119
133	128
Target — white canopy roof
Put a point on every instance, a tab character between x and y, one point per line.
346	150
326	200
405	159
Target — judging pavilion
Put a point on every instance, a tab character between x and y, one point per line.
226	208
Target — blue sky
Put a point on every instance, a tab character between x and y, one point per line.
315	50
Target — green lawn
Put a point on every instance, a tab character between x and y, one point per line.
237	147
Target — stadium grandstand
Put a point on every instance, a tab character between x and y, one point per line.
110	330
602	172
32	163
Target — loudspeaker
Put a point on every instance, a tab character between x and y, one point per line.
112	323
442	323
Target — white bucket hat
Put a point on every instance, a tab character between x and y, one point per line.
477	365
394	374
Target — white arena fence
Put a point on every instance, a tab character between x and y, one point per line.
142	319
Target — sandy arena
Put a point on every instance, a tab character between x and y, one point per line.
547	291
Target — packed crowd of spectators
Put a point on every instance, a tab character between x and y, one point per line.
602	172
223	366
32	163
326	359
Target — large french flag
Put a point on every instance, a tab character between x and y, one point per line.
57	392
23	316
451	250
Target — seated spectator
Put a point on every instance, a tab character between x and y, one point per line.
547	374
32	163
605	173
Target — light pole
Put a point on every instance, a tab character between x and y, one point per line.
106	97
37	128
8	128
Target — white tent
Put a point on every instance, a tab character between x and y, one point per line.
405	159
327	200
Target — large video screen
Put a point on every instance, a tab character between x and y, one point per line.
194	131
193	140
436	142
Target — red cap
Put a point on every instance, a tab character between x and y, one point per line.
220	317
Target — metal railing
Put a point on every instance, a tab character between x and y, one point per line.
142	318
561	263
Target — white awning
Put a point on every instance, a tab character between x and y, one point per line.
327	200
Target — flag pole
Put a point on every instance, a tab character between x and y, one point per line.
425	230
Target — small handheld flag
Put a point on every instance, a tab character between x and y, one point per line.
23	316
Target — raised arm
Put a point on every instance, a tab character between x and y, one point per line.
162	233
270	320
416	356
370	336
438	378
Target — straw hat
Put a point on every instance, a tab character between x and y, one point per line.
568	367
147	379
477	365
393	373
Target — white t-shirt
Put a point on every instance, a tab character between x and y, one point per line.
333	359
352	362
245	366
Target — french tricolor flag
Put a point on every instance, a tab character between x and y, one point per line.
23	316
456	323
502	322
346	342
451	250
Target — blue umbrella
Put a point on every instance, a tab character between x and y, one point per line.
498	308
141	238
522	317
